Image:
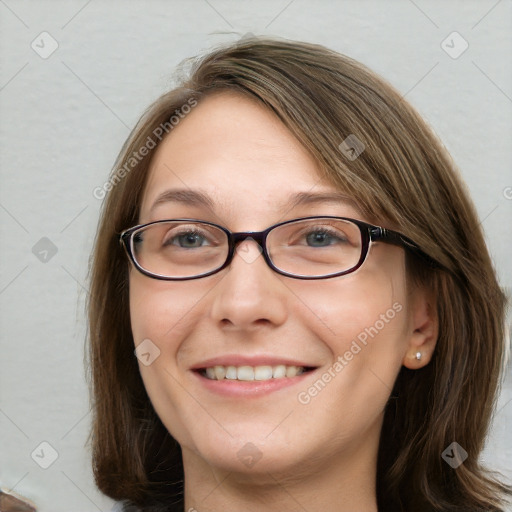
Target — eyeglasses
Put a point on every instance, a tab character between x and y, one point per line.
305	248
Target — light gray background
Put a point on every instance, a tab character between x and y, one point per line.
64	119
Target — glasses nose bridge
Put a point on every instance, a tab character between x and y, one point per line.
235	238
257	236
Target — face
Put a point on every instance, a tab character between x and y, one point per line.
351	333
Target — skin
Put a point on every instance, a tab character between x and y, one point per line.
315	456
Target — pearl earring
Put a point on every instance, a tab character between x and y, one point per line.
418	356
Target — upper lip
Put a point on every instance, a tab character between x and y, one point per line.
240	360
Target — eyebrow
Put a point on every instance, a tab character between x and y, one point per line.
310	198
185	196
197	198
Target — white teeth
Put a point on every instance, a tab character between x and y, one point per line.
245	373
291	371
262	372
251	373
230	372
220	372
279	371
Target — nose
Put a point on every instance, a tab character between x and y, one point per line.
250	293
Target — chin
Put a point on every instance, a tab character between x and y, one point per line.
250	453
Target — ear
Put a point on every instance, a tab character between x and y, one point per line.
423	330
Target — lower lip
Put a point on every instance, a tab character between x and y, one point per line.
253	388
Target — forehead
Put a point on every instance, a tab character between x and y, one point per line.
238	152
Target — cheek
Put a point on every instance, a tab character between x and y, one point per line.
161	310
358	307
363	325
165	313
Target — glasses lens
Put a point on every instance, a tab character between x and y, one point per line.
180	249
315	247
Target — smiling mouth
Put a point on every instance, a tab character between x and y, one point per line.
253	373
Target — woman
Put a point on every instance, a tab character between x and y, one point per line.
292	305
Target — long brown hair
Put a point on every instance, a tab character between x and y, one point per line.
405	176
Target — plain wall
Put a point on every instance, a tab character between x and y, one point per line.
65	117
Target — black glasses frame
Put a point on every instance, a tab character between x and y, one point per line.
369	233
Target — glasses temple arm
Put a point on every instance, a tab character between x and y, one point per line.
393	237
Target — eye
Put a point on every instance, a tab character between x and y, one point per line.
323	237
319	234
186	239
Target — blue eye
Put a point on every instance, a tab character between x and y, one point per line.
187	240
323	238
